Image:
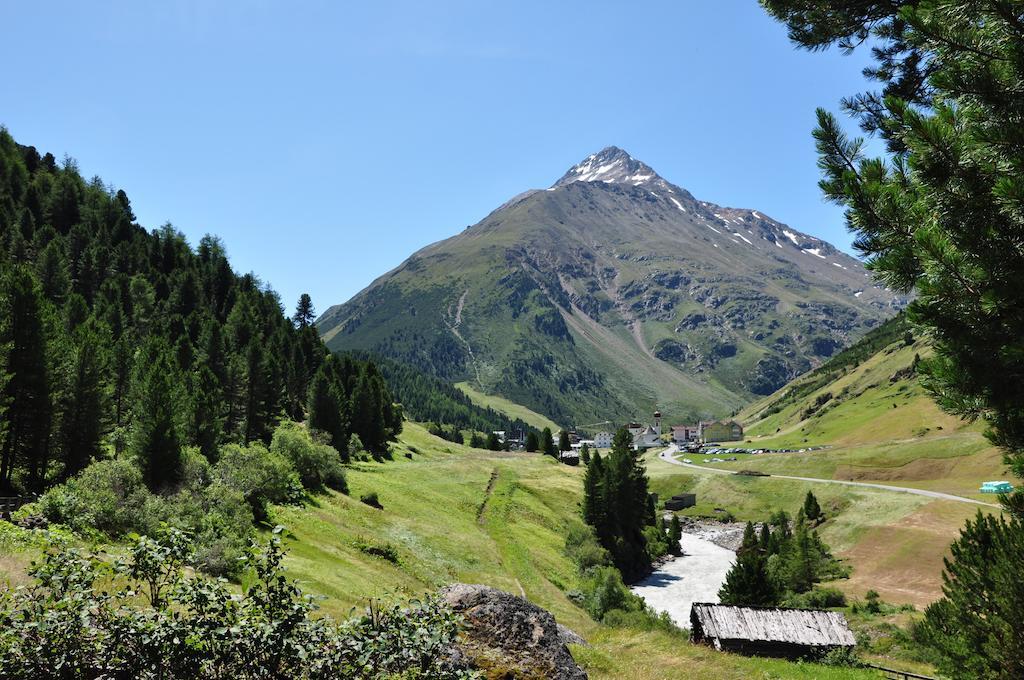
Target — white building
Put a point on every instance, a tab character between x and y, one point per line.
603	440
649	436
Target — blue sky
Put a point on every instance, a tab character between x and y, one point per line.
326	141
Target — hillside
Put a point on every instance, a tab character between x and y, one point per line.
878	425
504	525
868	406
614	292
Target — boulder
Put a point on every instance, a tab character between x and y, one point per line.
509	637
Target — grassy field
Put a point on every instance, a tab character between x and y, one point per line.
452	513
894	542
509	408
458	514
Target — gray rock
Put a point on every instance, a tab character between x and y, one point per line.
508	634
570	637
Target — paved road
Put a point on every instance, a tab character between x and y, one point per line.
695	577
668	455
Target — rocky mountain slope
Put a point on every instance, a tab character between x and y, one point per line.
614	292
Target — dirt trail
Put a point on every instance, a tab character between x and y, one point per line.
487	496
454	328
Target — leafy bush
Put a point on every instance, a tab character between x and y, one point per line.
818	598
583	548
261	476
109	496
841	656
604	591
165	623
317	464
385	551
371	500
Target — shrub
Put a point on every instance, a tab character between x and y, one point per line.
583	548
818	598
167	623
371	499
220	520
385	551
873	602
604	591
261	476
317	464
841	656
108	496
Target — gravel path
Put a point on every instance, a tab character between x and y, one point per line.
694	577
668	455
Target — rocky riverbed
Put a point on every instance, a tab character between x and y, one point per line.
696	576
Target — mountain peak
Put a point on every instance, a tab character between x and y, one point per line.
611	165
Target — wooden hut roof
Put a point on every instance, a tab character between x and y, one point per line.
809	627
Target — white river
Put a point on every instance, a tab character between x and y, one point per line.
694	577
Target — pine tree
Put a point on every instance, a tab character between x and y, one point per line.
83	401
563	441
675	534
369	410
585	454
979	624
155	439
304	314
493	443
205	423
811	508
532	442
547	443
594	501
326	412
748	583
28	393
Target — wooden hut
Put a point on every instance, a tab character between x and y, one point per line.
768	631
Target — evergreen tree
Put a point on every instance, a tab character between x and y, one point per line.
532	442
979	624
28	395
369	410
812	510
585	454
493	443
304	314
155	441
594	501
205	423
748	583
765	539
83	401
477	441
563	441
941	215
675	534
547	443
326	413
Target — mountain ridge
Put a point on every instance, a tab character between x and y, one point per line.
623	292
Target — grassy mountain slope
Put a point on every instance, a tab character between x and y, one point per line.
509	408
879	425
508	533
452	513
894	542
611	295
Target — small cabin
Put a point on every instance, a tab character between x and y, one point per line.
996	487
681	501
769	631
